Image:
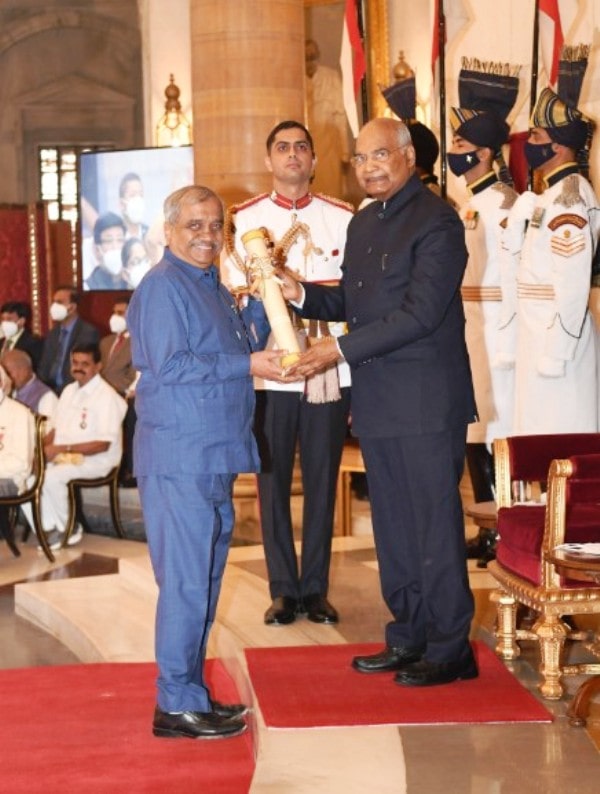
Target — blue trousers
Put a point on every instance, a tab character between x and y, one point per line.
189	522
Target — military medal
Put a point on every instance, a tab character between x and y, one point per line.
470	219
536	218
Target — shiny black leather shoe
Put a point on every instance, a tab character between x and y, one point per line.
282	611
229	710
387	661
426	673
319	610
195	725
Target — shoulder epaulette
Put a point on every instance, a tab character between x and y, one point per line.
248	203
509	194
336	202
569	196
229	230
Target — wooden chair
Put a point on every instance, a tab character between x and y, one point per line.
352	461
528	532
32	493
76	514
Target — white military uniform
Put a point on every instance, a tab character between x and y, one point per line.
287	415
490	325
317	259
556	388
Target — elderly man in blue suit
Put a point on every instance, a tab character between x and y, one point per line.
195	403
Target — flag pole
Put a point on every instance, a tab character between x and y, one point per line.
534	71
364	94
442	74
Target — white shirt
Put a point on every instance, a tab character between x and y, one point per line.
17	438
93	412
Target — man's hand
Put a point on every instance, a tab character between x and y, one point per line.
52	450
290	286
317	358
267	364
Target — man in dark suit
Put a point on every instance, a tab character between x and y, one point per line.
412	398
70	330
14	334
118	370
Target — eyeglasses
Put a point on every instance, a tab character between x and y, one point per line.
379	156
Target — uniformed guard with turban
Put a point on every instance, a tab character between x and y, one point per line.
487	93
401	97
553	238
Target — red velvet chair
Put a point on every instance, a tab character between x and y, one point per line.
529	527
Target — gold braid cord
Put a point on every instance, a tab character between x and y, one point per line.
229	237
325	386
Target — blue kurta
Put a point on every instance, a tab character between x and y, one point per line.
195	404
195	399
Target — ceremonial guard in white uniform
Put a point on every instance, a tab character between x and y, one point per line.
487	93
308	233
554	237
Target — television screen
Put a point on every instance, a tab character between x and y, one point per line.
121	195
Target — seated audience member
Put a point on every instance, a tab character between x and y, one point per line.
70	330
14	334
109	237
86	439
27	387
136	262
118	370
16	446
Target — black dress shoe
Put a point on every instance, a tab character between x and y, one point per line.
282	611
482	547
426	673
319	610
387	661
229	710
195	725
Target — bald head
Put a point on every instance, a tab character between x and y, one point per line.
18	365
384	158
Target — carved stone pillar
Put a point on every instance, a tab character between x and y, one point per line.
247	75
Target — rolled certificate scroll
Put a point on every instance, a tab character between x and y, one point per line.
260	266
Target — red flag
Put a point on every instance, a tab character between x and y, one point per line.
352	63
551	37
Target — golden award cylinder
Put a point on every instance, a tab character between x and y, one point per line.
261	267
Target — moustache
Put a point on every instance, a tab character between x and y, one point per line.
77	372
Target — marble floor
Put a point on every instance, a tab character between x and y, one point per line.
97	602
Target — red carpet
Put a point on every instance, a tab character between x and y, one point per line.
315	686
87	728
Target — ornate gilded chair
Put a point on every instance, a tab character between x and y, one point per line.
76	513
548	493
32	494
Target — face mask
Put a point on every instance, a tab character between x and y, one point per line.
537	154
134	209
459	164
112	261
117	324
137	272
9	328
58	312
